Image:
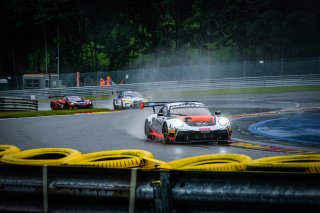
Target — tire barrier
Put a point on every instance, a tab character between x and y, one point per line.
109	180
216	162
132	158
116	159
41	156
18	104
294	163
8	149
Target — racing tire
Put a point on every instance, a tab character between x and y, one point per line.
41	157
131	158
114	106
307	163
147	129
211	162
8	149
165	133
52	106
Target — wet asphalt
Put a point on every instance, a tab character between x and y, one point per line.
124	130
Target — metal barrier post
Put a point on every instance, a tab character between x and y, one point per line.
45	188
166	192
133	184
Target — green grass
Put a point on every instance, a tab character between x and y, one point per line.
18	114
280	89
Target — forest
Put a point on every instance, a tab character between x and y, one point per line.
37	36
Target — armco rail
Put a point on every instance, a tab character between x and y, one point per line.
80	189
205	84
17	104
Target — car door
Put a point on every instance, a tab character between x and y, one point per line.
158	120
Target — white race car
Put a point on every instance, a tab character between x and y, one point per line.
128	99
188	121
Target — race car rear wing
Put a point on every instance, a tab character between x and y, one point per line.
154	104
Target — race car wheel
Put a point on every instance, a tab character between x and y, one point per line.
114	105
52	105
147	129
165	132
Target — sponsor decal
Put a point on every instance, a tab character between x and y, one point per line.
171	131
187	106
201	123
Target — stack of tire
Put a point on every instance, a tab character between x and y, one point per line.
133	158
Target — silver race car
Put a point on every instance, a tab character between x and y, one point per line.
188	121
128	99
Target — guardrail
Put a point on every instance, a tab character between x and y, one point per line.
18	104
205	84
80	189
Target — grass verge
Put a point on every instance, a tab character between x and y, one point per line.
18	114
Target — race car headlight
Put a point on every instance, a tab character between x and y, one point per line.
178	123
223	121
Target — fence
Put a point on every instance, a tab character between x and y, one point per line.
204	84
196	72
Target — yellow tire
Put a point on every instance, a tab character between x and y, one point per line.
8	149
41	156
293	163
116	159
214	162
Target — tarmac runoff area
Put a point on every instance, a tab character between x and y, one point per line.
299	128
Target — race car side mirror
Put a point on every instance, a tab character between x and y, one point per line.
217	113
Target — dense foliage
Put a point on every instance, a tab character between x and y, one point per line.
93	35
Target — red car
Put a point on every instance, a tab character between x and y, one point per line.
71	102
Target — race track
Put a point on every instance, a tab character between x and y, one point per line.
124	130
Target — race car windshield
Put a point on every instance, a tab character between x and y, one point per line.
190	111
133	94
75	98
